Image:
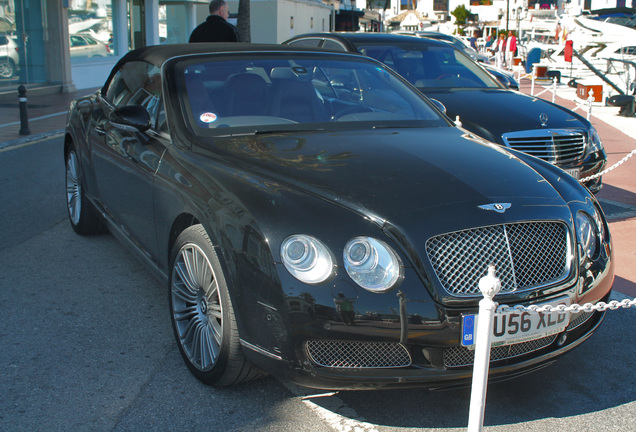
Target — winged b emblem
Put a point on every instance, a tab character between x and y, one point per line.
498	207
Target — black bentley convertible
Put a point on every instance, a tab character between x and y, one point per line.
331	237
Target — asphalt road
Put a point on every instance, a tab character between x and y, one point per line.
86	344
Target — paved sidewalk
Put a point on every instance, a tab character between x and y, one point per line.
47	116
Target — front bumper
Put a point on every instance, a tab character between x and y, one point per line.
347	359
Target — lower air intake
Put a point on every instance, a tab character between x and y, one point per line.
357	355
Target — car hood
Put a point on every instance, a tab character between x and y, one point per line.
490	113
418	182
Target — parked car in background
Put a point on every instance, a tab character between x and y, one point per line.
85	45
453	40
9	58
314	216
484	106
505	77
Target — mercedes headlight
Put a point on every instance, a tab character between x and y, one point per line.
307	259
586	235
372	264
595	143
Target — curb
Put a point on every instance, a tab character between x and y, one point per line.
31	139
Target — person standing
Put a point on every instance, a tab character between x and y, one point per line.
473	42
511	49
499	48
216	28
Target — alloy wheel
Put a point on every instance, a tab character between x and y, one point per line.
73	189
196	307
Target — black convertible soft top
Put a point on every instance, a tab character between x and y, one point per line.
159	54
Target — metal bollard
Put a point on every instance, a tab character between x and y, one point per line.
590	99
489	286
554	88
24	115
532	86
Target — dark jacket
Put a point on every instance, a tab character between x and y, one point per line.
214	29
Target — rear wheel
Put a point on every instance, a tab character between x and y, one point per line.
7	68
202	315
82	215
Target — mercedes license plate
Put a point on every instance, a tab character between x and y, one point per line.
511	328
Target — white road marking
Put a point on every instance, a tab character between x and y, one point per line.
332	410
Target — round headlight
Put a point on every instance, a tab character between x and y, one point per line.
307	259
372	264
586	234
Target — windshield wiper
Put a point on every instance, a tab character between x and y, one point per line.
275	131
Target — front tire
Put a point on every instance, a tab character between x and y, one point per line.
202	315
81	213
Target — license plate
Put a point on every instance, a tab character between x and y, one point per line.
511	328
576	173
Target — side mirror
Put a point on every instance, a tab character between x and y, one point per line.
130	118
508	82
502	79
440	106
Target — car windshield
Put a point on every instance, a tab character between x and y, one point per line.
236	94
427	66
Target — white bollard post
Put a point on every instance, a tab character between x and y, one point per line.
489	286
589	103
534	72
554	87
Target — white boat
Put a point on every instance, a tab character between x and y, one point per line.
609	48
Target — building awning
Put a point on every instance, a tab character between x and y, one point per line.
350	12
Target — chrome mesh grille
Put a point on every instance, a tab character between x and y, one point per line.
578	320
462	356
554	146
345	354
525	255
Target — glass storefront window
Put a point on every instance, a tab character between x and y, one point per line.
173	23
90	28
9	46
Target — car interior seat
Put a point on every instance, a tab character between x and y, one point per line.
295	97
410	68
247	94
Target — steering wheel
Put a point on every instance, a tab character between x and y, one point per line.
352	110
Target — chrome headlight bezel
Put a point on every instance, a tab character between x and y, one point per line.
587	235
594	141
307	259
372	264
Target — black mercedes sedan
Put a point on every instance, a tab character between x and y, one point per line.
482	104
315	217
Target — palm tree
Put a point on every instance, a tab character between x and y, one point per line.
243	23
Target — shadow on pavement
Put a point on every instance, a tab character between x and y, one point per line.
590	379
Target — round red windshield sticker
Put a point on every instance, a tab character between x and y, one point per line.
207	117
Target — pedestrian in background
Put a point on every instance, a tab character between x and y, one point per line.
216	28
499	48
511	49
